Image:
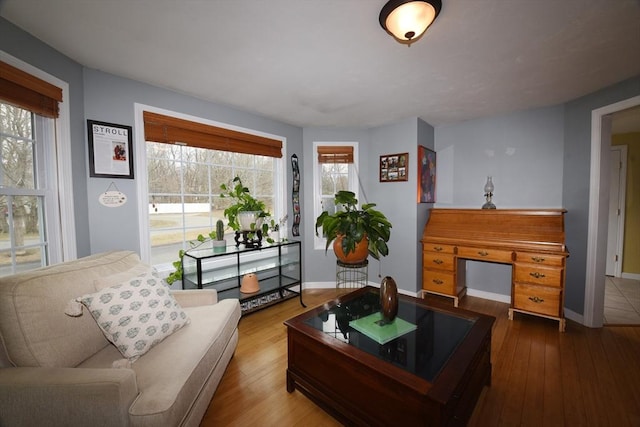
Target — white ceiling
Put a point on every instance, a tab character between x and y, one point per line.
329	63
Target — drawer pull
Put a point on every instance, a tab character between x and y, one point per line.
438	261
537	259
537	275
438	281
437	248
483	253
536	300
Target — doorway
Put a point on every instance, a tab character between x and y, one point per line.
598	210
617	203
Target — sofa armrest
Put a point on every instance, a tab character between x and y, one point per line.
66	396
195	297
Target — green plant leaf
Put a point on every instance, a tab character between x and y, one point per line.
355	224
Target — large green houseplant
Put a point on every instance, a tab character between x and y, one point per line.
352	226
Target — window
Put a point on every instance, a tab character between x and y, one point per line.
185	168
30	227
334	170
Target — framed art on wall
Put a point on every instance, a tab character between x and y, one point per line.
426	175
110	150
394	167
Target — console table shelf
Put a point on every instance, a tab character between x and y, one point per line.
278	267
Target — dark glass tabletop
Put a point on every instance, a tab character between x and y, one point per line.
422	351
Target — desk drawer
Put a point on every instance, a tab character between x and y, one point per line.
438	261
442	282
539	275
437	247
537	299
493	255
540	259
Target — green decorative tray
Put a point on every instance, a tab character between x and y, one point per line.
382	333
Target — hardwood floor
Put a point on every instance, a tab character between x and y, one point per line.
541	377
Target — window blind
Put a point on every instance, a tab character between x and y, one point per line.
171	130
335	154
29	92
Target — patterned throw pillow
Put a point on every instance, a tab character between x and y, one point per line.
135	315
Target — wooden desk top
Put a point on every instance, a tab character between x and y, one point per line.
540	230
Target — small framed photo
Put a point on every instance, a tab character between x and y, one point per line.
110	150
426	175
394	167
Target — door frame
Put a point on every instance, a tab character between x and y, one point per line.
598	216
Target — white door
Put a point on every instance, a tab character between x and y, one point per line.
617	187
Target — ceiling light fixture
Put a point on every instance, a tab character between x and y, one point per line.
407	20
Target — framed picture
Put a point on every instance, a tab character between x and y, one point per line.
426	175
110	150
394	167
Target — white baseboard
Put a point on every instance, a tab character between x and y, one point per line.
318	285
489	295
572	315
331	285
631	276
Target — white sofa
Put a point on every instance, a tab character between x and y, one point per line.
56	370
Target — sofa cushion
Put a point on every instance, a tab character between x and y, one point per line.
33	325
123	276
170	376
136	315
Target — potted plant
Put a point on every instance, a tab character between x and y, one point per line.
355	233
218	243
275	229
246	214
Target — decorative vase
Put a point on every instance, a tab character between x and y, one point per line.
358	256
246	218
250	284
388	299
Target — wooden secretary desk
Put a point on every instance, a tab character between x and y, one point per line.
531	240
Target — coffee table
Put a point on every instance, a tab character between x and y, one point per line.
430	376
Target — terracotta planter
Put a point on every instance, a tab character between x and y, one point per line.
358	256
249	284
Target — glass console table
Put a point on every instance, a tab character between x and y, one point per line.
277	266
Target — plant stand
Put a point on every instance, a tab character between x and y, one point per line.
352	275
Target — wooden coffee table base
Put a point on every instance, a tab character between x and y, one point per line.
360	389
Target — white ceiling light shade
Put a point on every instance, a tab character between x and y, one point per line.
407	20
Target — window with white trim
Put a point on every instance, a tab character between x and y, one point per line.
187	162
30	234
334	170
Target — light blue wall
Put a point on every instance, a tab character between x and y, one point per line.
576	183
523	151
23	46
398	201
109	98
